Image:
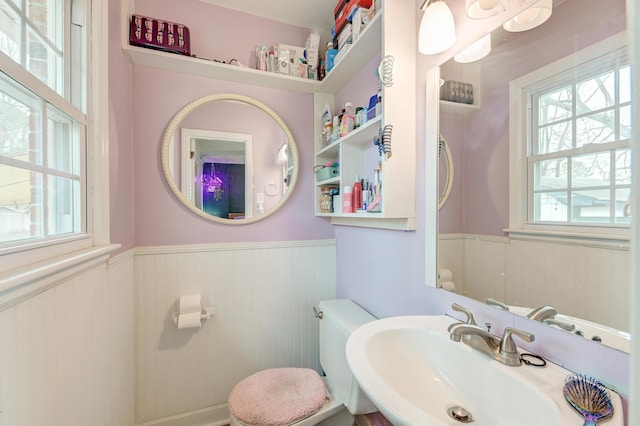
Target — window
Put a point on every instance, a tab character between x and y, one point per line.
45	136
42	135
571	148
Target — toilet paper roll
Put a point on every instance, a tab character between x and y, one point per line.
190	320
190	303
445	275
448	285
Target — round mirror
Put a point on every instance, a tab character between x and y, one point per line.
445	172
230	159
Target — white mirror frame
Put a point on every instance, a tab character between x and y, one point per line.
431	117
166	159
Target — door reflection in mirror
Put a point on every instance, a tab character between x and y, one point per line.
217	172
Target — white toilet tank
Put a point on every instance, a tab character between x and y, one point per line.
340	318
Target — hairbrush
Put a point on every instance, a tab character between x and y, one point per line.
589	397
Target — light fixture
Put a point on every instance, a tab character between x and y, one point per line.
476	51
481	9
530	18
213	183
283	153
437	29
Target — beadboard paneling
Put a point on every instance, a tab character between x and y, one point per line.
451	257
262	296
586	282
67	353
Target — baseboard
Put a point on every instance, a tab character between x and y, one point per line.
217	415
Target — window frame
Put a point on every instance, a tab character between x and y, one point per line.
520	145
54	254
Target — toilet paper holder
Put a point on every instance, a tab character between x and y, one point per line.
191	313
205	314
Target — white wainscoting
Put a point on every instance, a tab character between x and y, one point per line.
262	297
66	354
581	281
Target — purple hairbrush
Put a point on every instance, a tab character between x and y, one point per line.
589	397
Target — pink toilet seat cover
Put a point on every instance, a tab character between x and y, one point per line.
277	397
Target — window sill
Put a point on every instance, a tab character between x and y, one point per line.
27	281
610	241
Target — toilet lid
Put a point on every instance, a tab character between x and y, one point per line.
277	397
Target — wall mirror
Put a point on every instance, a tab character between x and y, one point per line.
229	159
586	284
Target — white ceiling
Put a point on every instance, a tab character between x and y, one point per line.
316	14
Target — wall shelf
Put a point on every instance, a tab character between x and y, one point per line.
361	135
457	107
196	66
359	53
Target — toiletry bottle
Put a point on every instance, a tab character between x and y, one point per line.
343	128
327	132
335	129
357	194
365	196
349	118
358	122
347	200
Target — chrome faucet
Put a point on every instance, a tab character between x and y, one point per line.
542	313
503	349
547	315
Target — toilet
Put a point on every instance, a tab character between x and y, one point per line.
299	396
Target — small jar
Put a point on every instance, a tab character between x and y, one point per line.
325	199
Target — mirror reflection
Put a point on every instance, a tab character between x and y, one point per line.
558	273
230	159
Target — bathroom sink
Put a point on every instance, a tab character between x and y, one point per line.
415	375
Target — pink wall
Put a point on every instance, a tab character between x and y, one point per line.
484	145
222	34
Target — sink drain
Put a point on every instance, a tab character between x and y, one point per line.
459	414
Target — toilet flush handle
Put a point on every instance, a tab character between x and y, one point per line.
318	314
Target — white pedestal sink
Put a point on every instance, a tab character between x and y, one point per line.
415	375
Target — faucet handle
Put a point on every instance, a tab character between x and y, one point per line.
470	319
498	304
563	325
507	345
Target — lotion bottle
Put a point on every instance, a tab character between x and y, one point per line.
347	200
